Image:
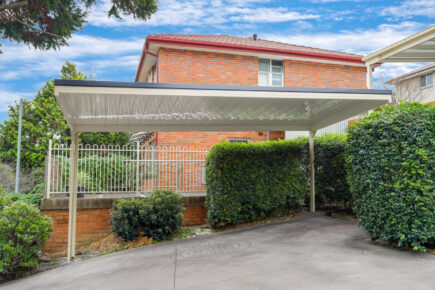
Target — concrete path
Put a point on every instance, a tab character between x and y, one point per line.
313	252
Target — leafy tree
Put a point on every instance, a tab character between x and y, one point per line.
43	120
46	24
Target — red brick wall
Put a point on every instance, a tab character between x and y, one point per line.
323	75
199	67
208	139
93	224
194	215
208	68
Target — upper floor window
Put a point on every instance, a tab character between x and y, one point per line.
426	80
270	72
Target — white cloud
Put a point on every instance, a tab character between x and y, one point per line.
360	41
408	9
271	15
9	97
88	52
199	12
392	70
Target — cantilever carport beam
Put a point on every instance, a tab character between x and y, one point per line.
92	106
419	47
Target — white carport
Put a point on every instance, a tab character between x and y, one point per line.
419	47
94	106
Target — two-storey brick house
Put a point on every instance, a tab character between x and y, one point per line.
228	60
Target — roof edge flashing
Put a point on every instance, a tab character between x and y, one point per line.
138	85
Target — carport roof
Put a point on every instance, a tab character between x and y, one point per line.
101	106
419	47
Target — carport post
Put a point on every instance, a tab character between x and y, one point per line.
73	195
369	76
312	172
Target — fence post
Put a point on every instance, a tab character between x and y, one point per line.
137	166
177	179
48	179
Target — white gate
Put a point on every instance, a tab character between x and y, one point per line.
127	169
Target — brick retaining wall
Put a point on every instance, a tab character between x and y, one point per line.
93	219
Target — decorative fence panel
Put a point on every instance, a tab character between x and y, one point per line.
127	169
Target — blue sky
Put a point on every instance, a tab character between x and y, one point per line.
112	48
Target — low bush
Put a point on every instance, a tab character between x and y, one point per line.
250	181
23	230
157	216
390	161
125	218
161	215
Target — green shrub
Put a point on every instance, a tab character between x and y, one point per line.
125	218
22	232
250	181
157	216
30	198
390	161
332	189
5	200
161	215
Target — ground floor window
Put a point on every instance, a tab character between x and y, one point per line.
242	140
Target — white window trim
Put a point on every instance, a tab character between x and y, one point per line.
271	73
426	85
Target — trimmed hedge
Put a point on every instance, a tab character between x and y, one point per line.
250	181
391	161
157	216
332	189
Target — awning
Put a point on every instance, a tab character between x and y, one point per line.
419	47
100	106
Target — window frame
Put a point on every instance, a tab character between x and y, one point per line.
425	78
241	140
270	72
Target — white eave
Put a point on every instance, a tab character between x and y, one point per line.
93	106
419	47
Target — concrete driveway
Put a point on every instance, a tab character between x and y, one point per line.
312	252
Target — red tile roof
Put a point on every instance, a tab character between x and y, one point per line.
250	43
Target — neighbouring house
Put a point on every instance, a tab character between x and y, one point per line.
416	85
229	60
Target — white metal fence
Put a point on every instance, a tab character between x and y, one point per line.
129	169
